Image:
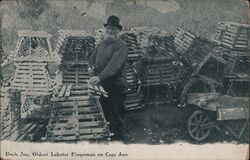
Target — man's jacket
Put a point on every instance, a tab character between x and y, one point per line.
108	60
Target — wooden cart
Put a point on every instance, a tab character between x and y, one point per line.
220	111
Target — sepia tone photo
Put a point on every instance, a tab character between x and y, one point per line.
149	76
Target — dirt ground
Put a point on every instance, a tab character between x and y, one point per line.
166	124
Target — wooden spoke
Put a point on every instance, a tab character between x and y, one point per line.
195	121
195	129
197	134
205	120
200	117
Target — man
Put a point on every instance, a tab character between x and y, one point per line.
108	61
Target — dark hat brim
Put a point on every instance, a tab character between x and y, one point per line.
118	26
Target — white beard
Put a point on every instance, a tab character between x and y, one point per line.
112	37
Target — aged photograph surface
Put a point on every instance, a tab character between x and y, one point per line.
151	72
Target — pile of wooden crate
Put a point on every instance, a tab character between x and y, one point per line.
204	59
32	77
218	61
133	100
158	67
134	51
157	71
232	35
77	115
234	43
10	111
234	46
14	128
159	78
77	112
32	54
202	70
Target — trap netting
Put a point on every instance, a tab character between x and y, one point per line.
34	46
75	46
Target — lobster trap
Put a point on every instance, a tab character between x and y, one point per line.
157	69
10	111
32	77
33	52
202	70
77	116
34	46
77	112
183	39
158	78
74	46
133	100
13	127
134	51
232	35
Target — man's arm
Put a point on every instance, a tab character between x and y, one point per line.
117	60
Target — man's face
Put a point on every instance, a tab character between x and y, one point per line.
112	31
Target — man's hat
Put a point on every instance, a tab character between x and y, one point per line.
113	21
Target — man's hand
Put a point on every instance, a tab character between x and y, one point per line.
91	71
94	80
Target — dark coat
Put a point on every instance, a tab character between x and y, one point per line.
109	60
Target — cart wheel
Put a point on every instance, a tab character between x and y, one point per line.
195	130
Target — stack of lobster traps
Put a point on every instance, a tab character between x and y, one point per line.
228	108
32	76
233	39
233	57
33	52
158	68
232	35
183	39
133	100
75	48
157	71
10	111
77	112
32	80
234	46
204	59
203	68
77	115
13	127
134	51
158	79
